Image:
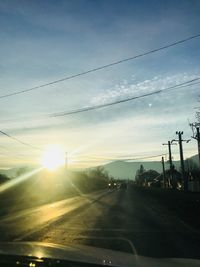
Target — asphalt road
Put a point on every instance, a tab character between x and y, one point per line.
119	219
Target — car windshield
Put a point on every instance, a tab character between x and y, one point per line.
99	125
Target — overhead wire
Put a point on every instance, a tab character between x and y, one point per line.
100	67
184	84
19	141
84	109
125	158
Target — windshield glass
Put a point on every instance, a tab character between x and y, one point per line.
99	125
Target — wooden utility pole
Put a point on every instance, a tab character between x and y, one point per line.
180	141
169	144
198	142
196	135
164	176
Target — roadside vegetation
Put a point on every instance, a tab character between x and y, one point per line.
3	179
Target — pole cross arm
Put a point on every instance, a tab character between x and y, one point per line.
187	141
174	140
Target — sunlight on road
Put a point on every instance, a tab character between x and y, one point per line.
27	222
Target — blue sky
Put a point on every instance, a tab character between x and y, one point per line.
42	41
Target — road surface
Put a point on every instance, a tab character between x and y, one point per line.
118	219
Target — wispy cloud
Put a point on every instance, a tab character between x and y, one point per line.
128	89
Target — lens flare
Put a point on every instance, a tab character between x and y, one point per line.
18	180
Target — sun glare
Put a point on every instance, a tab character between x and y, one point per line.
53	158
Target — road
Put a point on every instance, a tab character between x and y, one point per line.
113	219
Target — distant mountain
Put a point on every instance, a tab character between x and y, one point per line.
127	170
195	159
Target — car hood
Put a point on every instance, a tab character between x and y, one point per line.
87	254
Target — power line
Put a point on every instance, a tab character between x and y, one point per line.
19	141
190	84
123	159
75	111
101	67
148	157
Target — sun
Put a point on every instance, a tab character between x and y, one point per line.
53	158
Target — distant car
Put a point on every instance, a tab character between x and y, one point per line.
112	185
123	186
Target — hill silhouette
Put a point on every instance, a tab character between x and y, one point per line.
127	170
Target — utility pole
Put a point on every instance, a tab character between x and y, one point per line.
169	144
66	160
164	177
180	141
198	142
196	135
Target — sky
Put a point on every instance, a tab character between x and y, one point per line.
43	41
